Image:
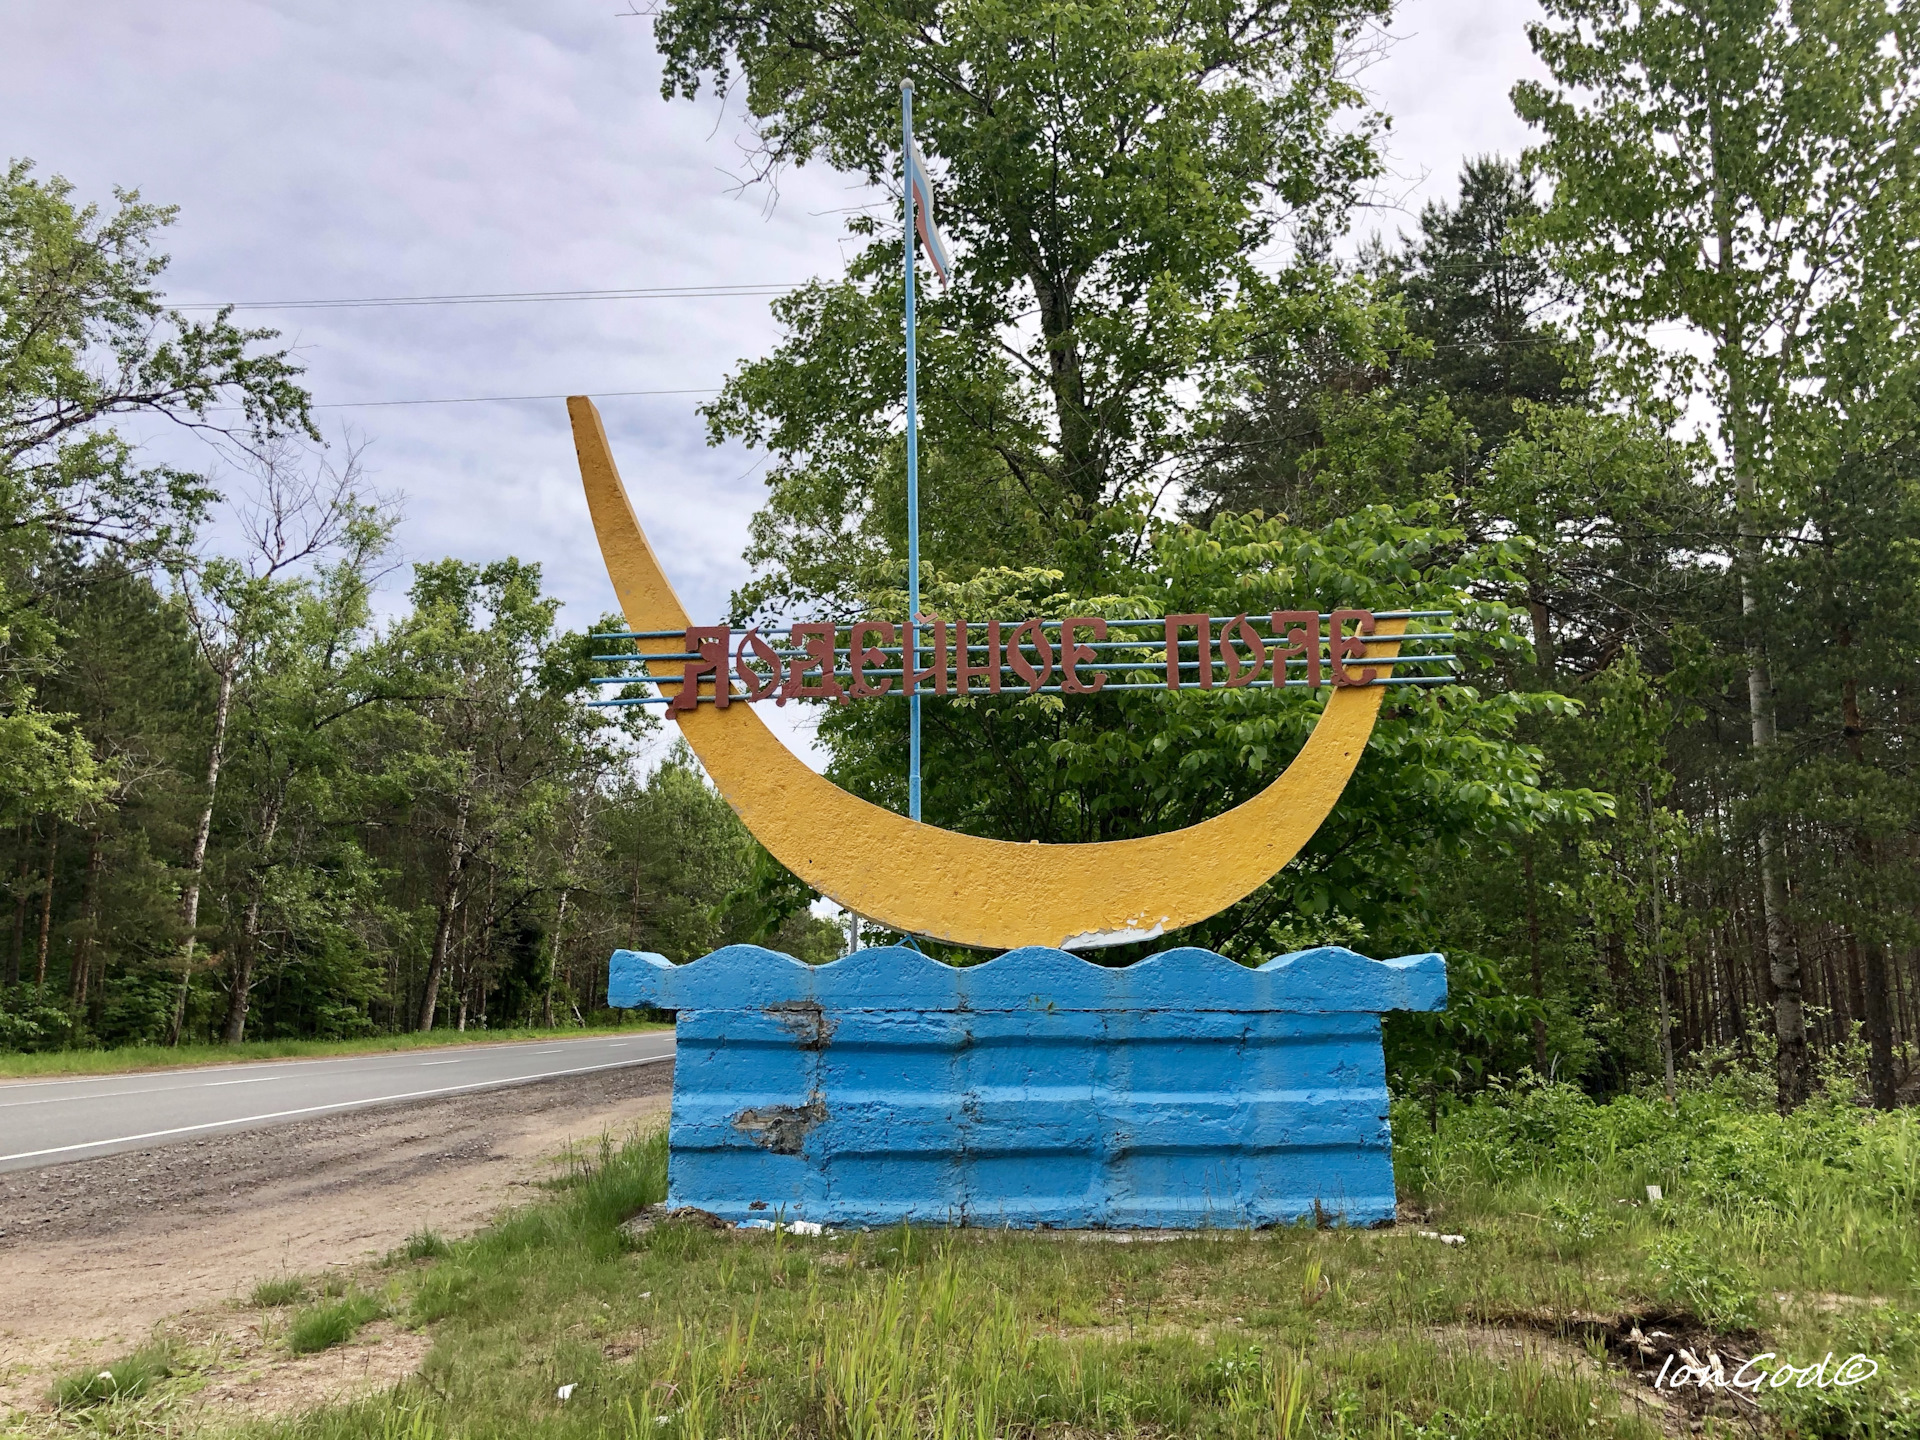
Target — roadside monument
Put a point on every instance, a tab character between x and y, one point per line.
1036	1088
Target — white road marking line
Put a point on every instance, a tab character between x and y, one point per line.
283	1072
321	1109
281	1066
114	1094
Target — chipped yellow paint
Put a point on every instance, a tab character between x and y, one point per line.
990	894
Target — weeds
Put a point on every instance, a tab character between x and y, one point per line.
681	1331
127	1378
278	1291
425	1245
331	1322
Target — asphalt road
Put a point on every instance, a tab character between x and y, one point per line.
46	1122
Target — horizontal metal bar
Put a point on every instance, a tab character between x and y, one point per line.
1019	691
1261	617
652	655
1094	666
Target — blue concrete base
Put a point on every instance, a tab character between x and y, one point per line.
1037	1089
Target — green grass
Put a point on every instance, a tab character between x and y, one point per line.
687	1332
160	1057
1796	1236
424	1245
128	1378
332	1322
278	1291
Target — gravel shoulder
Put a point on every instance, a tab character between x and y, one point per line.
96	1253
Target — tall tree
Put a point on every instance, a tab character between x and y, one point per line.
497	687
311	672
1111	170
237	609
1739	167
84	338
1485	301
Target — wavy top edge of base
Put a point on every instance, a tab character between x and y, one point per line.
1326	979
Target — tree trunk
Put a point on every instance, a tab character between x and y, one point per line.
449	902
1533	949
197	864
46	909
1544	659
1879	1018
1660	973
1856	992
1793	1075
239	996
19	910
1080	463
553	959
560	920
1874	1010
1736	997
463	972
84	945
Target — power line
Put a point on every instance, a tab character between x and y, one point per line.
505	297
488	399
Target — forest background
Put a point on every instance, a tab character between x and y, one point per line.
1639	408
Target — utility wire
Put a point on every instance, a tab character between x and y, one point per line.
488	399
506	297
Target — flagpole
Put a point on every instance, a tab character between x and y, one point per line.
913	468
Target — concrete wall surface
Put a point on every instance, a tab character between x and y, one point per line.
1035	1089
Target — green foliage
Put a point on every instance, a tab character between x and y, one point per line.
29	1022
331	1322
1110	169
1824	1198
128	1378
425	1245
84	337
1691	1275
278	1291
1443	771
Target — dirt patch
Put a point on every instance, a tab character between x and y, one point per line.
1640	1346
1562	1352
95	1254
249	1374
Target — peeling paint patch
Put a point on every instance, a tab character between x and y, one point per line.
806	1021
1099	939
783	1129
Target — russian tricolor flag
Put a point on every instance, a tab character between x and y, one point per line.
921	184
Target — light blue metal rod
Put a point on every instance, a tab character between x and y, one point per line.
913	458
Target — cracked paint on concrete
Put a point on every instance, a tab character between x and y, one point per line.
783	1129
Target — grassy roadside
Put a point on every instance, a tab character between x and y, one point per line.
1794	1236
46	1064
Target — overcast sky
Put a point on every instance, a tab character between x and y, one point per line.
370	149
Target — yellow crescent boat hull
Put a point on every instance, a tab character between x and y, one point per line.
988	894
